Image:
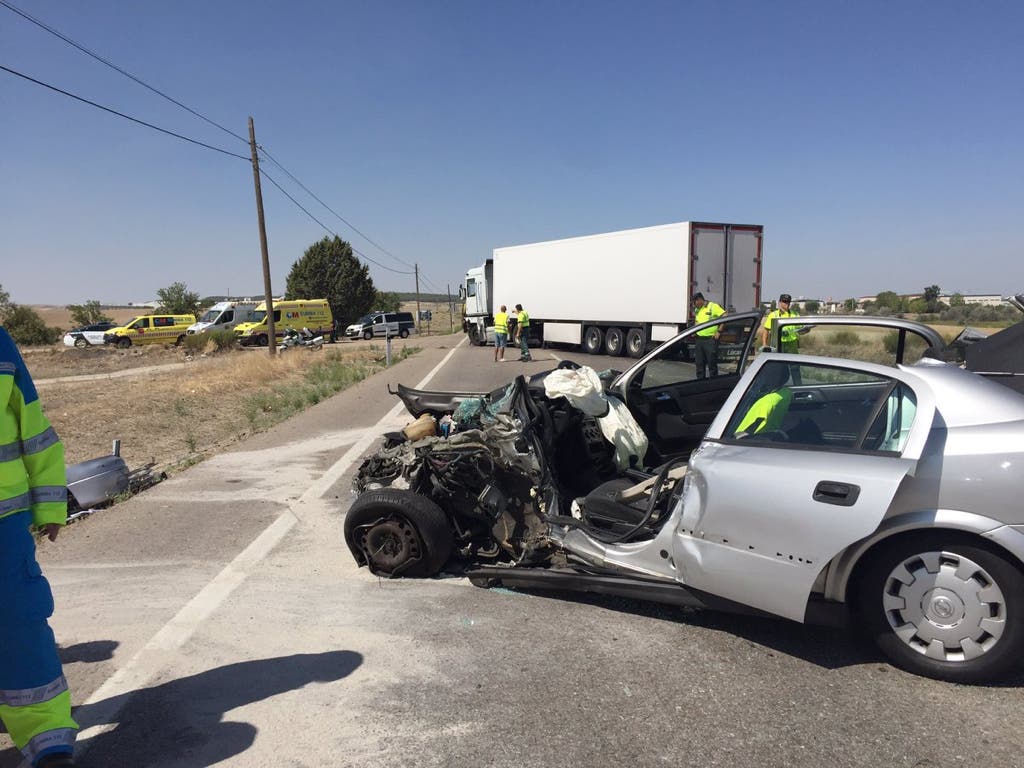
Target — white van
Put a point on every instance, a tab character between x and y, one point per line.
399	324
223	316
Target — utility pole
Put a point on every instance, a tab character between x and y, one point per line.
419	328
451	310
267	292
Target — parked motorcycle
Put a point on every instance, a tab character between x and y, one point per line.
303	338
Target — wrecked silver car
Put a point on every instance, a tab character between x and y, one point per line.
882	496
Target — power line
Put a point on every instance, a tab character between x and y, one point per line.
328	229
116	68
349	224
121	114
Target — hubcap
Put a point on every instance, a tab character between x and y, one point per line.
945	606
390	544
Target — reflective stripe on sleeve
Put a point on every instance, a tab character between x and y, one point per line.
10	451
8	368
46	493
26	696
58	737
24	501
40	442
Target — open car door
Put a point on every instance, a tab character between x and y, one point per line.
803	461
673	404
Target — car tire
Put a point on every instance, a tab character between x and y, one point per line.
593	340
367	335
636	343
179	341
124	342
403	333
81	343
614	342
945	606
262	340
398	533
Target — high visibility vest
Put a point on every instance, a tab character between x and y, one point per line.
767	413
32	474
709	311
789	333
501	323
524	319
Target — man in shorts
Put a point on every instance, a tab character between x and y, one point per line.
500	334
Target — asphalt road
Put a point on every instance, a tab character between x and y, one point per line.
219	619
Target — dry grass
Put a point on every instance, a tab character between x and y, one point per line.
176	417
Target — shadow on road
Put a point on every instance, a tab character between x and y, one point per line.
181	721
89	653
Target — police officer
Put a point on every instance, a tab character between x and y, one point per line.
523	333
790	341
35	703
706	351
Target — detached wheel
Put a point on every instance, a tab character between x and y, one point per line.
124	342
81	343
593	340
398	533
636	342
615	342
942	607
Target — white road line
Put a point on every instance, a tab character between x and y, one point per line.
106	702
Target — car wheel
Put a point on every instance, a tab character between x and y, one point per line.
124	342
398	533
614	342
179	341
80	342
593	340
636	343
262	340
941	606
404	333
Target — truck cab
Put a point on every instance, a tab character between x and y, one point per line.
478	312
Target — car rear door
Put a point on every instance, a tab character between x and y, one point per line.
764	513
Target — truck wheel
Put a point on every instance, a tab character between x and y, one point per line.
81	342
941	606
124	342
614	342
474	337
398	533
593	340
368	335
636	343
262	340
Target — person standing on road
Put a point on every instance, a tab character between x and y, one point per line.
523	333
706	351
500	334
35	703
790	340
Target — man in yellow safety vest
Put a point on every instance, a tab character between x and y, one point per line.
500	334
706	348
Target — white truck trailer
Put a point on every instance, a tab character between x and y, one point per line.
616	292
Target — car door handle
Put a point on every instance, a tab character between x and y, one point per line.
840	494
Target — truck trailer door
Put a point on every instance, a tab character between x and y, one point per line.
726	264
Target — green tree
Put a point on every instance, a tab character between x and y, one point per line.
889	300
956	300
27	327
87	314
177	299
329	270
5	304
387	301
920	306
931	297
850	306
812	307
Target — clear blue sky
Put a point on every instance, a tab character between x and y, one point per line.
878	143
